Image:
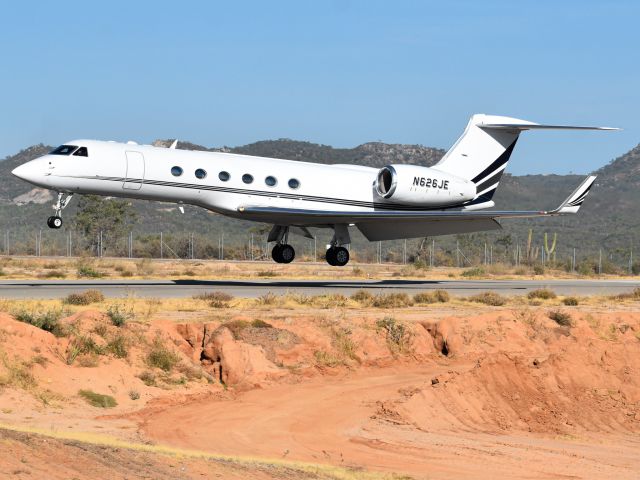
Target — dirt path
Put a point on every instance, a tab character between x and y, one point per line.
343	421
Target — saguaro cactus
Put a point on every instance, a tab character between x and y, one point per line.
532	252
551	252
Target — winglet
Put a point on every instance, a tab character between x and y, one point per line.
574	201
174	144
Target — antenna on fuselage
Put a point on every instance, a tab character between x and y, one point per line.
174	144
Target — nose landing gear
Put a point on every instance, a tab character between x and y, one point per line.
55	221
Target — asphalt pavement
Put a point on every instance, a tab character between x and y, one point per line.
16	289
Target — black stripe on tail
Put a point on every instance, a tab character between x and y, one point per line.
489	177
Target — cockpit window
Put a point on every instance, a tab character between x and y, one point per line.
81	152
64	150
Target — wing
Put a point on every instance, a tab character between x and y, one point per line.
389	225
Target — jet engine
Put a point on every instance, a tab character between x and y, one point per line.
422	186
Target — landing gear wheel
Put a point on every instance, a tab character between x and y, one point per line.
287	254
283	253
275	253
341	256
54	222
337	256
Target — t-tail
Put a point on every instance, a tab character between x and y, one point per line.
482	153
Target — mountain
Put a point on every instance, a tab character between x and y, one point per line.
609	217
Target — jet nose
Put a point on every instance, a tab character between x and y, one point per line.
28	171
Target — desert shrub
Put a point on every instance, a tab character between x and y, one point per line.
119	315
327	359
189	273
88	271
84	298
267	273
330	301
362	296
145	267
18	374
570	301
473	272
560	317
268	298
81	345
48	320
538	269
216	299
436	296
118	346
633	295
88	360
542	293
257	323
344	344
521	271
392	300
236	327
148	378
492	299
126	273
98	399
160	356
53	274
397	334
134	394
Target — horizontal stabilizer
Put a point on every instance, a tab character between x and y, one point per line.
536	126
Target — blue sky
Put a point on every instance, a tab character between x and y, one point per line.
333	72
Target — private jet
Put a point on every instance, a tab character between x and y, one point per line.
394	202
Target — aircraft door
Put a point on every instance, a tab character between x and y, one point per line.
135	171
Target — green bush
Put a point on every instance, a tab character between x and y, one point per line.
97	399
119	315
162	357
473	272
542	293
118	346
570	301
88	271
84	298
48	320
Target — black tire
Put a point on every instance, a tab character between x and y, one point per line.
287	254
340	256
276	253
330	256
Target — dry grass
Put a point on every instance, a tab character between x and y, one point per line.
489	298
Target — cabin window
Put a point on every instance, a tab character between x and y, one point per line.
224	176
271	181
81	152
294	183
200	173
246	178
176	171
64	150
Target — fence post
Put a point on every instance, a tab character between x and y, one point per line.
458	253
161	246
630	261
404	253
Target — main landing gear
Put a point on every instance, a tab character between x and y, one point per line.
283	253
55	221
337	255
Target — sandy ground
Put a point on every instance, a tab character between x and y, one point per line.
425	392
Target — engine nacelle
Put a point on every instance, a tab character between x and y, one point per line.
415	185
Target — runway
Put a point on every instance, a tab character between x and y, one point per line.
32	289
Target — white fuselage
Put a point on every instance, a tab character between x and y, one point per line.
145	172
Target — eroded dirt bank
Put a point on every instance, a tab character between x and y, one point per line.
505	392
